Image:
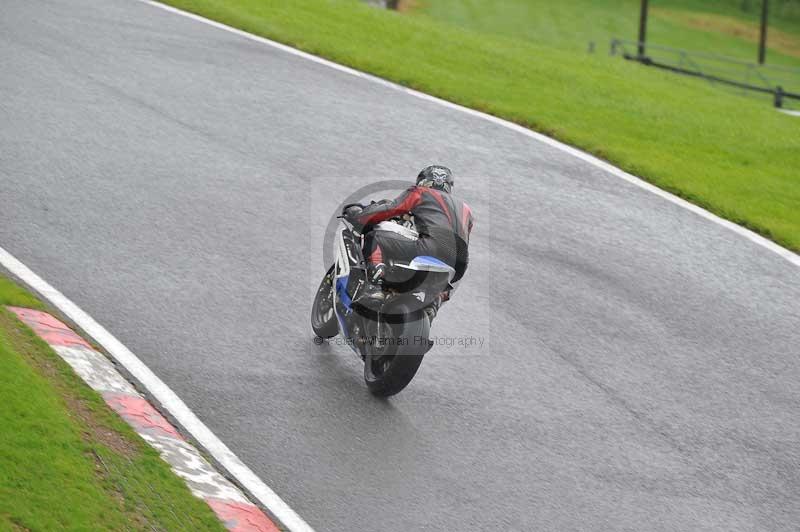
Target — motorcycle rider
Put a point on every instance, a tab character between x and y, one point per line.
443	222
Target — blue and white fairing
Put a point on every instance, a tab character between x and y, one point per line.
341	273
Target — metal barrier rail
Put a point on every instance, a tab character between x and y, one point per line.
688	65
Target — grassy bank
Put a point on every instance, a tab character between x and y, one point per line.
695	25
710	31
733	155
67	462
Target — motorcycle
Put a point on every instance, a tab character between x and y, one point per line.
392	339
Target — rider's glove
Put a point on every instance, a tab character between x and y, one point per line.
352	213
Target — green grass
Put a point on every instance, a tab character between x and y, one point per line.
572	24
783	14
67	462
734	155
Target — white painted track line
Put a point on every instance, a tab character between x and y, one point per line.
591	159
168	400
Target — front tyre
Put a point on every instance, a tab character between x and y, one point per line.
394	355
323	317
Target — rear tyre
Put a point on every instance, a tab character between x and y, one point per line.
393	359
323	317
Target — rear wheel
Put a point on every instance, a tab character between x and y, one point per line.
394	353
323	317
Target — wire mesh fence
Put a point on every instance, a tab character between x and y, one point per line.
782	83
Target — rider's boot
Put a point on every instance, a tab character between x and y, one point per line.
372	295
433	309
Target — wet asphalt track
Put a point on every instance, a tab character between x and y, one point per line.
640	364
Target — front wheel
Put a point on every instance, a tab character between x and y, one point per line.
395	353
323	317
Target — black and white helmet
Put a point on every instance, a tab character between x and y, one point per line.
438	177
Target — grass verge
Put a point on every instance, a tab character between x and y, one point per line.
694	25
67	461
733	155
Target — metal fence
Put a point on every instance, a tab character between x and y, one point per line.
782	83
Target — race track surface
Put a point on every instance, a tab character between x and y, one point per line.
640	364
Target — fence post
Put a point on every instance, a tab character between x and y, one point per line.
762	40
778	96
642	28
